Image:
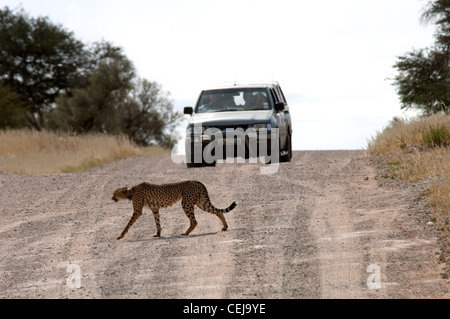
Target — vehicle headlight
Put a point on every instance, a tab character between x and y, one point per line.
257	127
196	129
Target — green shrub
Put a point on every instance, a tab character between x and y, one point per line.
438	136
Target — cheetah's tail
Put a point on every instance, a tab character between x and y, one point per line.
232	206
213	210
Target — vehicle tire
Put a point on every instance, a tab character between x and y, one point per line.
288	156
202	164
191	165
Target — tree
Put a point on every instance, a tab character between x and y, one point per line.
423	80
111	100
38	60
92	106
48	79
148	116
439	11
12	112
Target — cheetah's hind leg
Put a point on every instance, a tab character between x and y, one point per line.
189	211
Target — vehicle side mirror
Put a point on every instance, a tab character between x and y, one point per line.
279	106
188	110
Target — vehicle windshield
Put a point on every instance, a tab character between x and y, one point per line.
246	99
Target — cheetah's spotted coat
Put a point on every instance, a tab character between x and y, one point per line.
190	193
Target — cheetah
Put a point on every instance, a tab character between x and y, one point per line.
154	197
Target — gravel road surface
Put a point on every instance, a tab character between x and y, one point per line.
324	226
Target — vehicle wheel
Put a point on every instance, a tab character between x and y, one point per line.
191	165
288	156
213	164
202	164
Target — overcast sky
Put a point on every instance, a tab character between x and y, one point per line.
333	59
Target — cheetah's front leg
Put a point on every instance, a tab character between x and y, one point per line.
135	216
157	222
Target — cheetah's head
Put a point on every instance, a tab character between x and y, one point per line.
120	194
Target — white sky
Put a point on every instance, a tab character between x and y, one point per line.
332	58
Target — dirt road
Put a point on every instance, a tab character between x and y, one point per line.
323	226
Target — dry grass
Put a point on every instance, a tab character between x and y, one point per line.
420	132
31	152
419	150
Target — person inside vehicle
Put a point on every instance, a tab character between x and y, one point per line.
215	103
261	101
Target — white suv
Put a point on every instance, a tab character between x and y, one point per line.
239	120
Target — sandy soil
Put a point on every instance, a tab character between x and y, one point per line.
324	226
